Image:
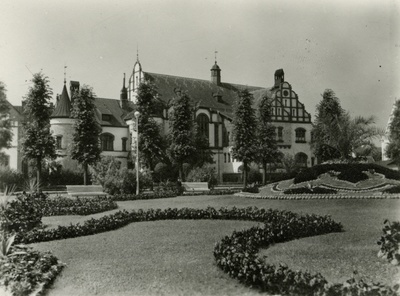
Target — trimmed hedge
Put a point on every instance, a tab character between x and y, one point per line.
313	190
394	189
351	172
78	206
25	271
140	196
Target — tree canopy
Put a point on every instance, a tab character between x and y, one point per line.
85	142
393	149
5	124
37	142
244	131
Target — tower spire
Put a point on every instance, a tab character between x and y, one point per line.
137	52
215	53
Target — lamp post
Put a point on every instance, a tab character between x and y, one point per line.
137	114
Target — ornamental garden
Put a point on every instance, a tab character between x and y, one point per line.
331	230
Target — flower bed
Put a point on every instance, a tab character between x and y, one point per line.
25	271
310	190
77	206
155	195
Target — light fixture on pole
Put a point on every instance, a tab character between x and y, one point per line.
137	114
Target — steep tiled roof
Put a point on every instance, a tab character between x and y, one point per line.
111	108
200	91
63	108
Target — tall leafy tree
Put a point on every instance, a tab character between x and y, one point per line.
85	144
267	147
5	124
151	144
37	142
393	149
326	125
182	138
244	131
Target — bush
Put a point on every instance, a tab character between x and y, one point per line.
206	173
254	176
155	195
310	190
124	181
78	206
161	172
64	177
9	177
26	271
21	214
251	189
351	172
390	242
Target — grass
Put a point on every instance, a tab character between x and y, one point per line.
175	257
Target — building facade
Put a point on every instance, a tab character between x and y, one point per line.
213	100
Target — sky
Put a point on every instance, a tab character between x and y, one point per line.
349	46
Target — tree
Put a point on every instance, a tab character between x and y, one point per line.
151	144
182	138
5	124
37	142
244	131
85	142
325	130
393	149
336	133
267	147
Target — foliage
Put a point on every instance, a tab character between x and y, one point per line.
310	190
393	149
63	177
103	169
77	206
289	163
85	140
254	175
351	172
157	194
9	177
181	134
206	173
390	242
124	181
267	146
251	189
393	189
244	131
336	133
28	271
21	214
151	144
37	143
5	123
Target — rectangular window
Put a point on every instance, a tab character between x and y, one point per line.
59	142
124	140
280	134
224	157
300	135
229	157
216	134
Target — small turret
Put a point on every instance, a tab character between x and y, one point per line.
216	74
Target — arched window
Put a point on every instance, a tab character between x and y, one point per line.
202	122
300	135
301	159
107	142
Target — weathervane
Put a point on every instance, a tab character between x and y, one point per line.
215	52
65	74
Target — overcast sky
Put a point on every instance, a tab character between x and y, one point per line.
352	47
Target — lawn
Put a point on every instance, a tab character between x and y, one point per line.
176	257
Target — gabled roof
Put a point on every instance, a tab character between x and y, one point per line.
63	108
113	109
200	91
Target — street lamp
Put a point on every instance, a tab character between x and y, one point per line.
137	114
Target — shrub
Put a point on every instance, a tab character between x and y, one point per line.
390	242
161	172
25	271
169	186
254	176
105	168
155	195
393	189
124	181
64	177
206	173
351	172
310	190
251	189
78	206
9	177
21	214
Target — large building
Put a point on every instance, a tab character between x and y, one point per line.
214	100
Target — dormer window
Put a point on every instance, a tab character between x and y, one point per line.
106	117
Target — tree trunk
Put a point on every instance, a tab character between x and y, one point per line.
38	172
85	169
244	174
264	180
